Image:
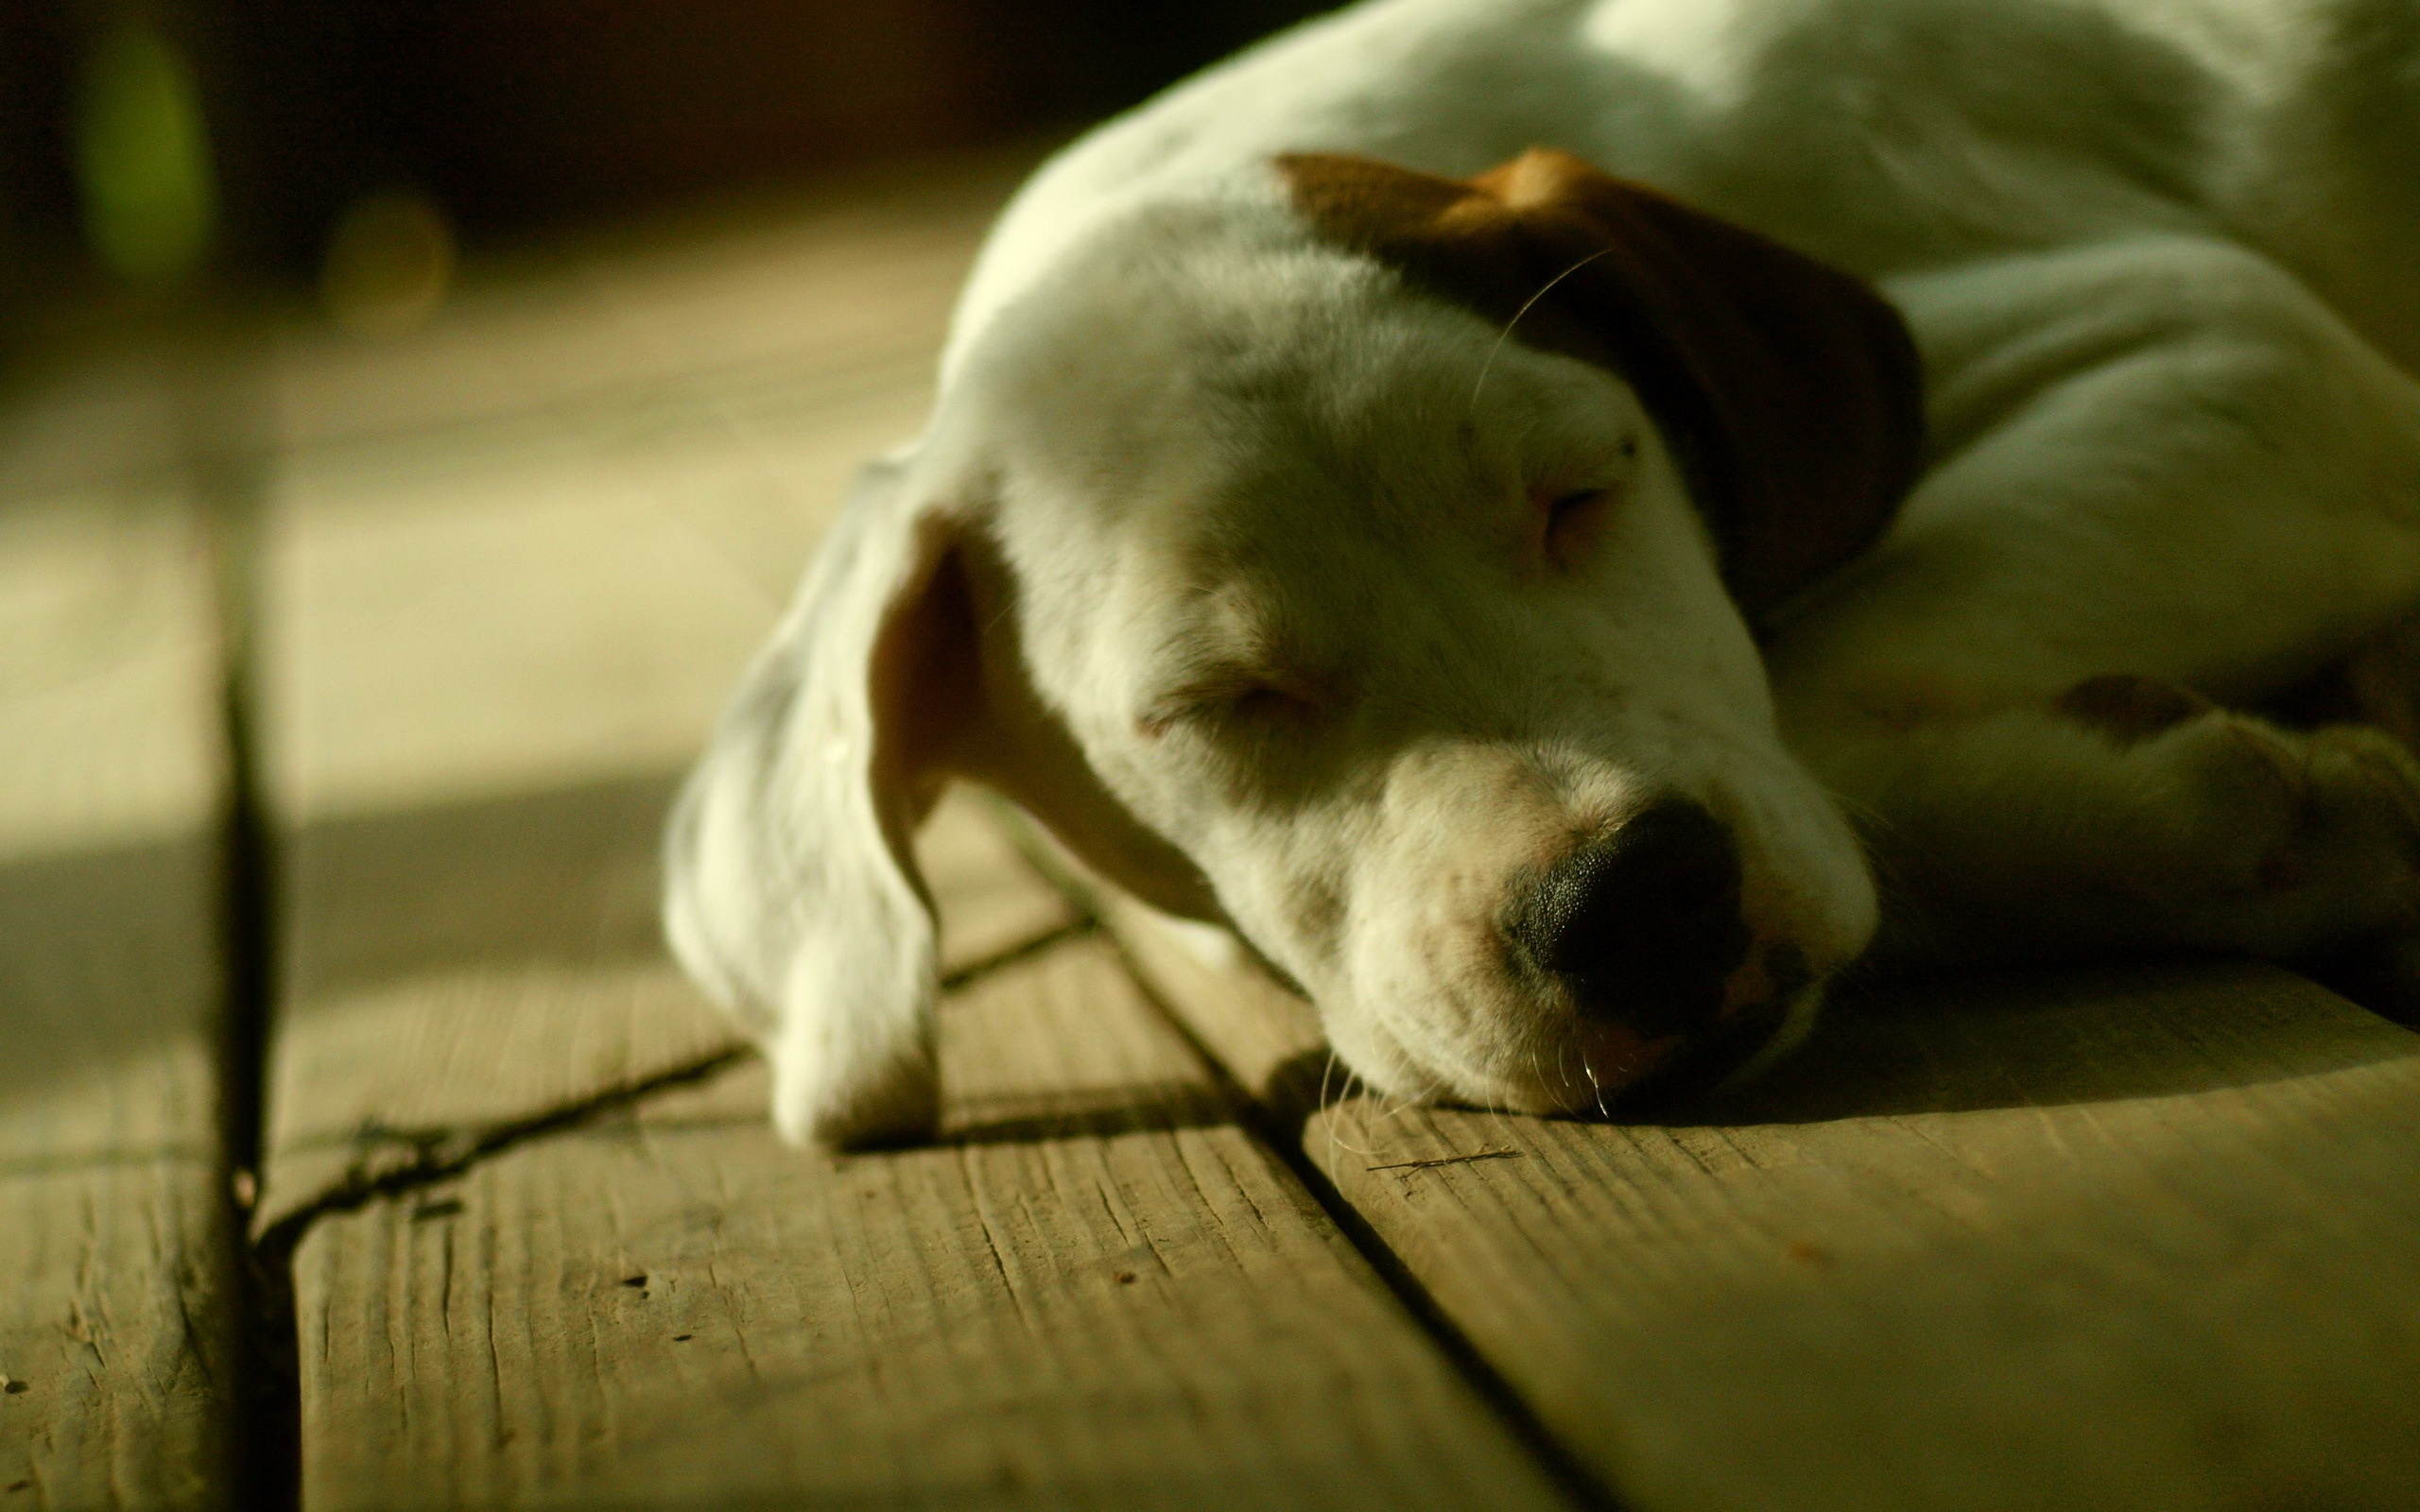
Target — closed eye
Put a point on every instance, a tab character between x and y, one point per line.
1237	702
1574	519
1263	703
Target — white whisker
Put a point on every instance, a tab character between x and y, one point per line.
1506	335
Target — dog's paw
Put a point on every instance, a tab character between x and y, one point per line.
2236	835
856	1055
852	1096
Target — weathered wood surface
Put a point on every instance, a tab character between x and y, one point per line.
732	316
1094	1291
2144	1240
116	1232
499	617
487	650
454	972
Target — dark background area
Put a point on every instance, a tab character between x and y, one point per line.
522	115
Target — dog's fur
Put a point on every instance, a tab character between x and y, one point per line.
1336	518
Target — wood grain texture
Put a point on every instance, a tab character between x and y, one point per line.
116	1238
454	970
1092	1291
2145	1239
1269	1039
513	566
500	618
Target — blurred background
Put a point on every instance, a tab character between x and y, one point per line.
353	146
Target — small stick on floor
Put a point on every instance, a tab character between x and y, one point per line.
1491	1153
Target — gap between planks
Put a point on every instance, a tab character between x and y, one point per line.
1092	1289
1289	1031
440	1155
2136	1237
124	1320
355	781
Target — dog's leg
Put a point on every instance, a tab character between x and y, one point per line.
2127	813
2172	479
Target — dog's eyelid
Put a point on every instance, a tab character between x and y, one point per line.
1571	517
1558	505
1563	491
1233	692
1183	706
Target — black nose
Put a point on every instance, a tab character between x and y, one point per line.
1645	926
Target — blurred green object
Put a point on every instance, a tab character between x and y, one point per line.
143	158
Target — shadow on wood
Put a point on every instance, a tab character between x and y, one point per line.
107	950
2011	1040
566	877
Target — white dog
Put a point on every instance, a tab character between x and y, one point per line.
1532	611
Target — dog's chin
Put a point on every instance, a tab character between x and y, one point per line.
1598	1070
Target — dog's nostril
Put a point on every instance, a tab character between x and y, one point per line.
1645	926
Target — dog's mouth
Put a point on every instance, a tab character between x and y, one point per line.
1733	1055
1630	1075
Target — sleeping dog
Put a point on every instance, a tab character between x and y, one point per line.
1564	522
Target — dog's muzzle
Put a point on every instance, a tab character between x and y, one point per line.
1643	930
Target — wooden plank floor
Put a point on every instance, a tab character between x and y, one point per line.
117	1306
543	1247
1092	1291
2144	1239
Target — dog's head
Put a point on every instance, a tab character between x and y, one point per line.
1369	564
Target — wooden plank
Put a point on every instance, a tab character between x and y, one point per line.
457	627
2144	1239
739	305
462	968
484	666
489	653
1092	1291
117	1317
480	705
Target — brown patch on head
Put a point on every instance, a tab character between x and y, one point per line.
1792	391
2129	709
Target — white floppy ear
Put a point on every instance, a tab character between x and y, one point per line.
791	894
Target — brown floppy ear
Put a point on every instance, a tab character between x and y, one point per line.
1791	390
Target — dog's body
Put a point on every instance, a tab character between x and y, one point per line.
1372	560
